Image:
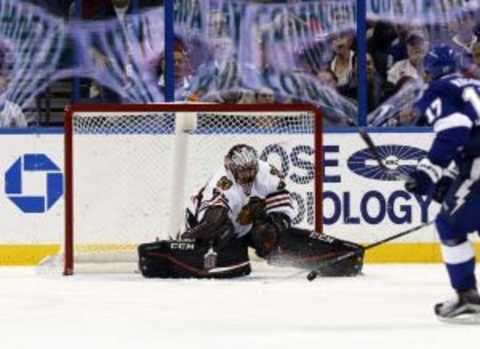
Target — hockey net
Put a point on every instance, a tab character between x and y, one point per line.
130	170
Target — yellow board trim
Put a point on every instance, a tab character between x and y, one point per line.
25	254
409	253
389	253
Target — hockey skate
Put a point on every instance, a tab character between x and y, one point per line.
464	309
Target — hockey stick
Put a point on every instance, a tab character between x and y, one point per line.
314	273
373	150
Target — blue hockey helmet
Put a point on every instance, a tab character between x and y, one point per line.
439	61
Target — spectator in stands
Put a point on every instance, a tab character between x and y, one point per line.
182	70
464	39
119	10
264	96
476	53
476	30
221	41
342	63
375	89
11	114
56	7
380	37
3	68
412	67
327	78
473	69
315	57
398	47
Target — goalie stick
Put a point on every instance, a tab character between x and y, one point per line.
314	273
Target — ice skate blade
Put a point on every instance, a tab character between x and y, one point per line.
465	319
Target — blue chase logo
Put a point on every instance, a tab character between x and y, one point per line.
398	158
45	167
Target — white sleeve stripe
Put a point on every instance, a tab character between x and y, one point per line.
452	121
218	201
451	171
277	197
288	210
458	254
431	170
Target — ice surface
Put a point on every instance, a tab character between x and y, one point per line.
389	307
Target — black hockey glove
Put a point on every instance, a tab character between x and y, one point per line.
214	224
418	183
279	220
441	189
443	185
265	235
421	180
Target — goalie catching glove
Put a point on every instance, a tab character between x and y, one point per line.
280	244
309	250
267	231
215	228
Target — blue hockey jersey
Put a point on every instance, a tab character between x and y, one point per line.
452	106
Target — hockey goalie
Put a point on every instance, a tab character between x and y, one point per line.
245	204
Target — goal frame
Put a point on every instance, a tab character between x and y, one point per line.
69	233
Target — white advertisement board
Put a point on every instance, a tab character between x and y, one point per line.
362	202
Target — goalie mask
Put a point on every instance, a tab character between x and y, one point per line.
242	161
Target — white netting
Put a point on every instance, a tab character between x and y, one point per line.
122	170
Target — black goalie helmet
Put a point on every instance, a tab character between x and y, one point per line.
242	161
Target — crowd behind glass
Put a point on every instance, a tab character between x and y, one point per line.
395	54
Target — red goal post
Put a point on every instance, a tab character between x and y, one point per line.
124	165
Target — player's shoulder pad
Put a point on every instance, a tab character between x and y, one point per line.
451	86
270	176
442	87
266	171
221	181
224	183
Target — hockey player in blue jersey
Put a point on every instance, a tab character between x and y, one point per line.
451	174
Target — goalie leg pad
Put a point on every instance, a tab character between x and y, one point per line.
187	259
308	250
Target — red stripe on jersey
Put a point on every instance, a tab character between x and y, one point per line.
275	199
286	204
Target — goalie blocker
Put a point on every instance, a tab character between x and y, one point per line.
293	247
